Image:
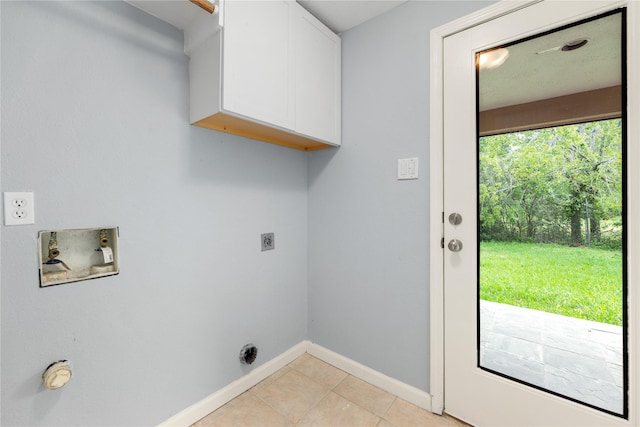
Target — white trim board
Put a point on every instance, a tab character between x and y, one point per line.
390	385
217	399
436	183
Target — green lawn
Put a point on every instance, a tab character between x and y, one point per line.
577	282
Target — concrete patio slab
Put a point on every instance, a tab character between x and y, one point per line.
576	358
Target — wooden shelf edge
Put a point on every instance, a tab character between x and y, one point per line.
241	127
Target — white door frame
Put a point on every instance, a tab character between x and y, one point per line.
436	203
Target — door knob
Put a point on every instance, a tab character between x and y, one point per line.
455	245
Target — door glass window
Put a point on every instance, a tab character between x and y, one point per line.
551	189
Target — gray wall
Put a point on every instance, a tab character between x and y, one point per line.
95	122
368	232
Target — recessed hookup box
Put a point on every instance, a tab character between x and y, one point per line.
73	255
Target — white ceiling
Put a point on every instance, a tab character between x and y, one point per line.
342	15
528	76
339	15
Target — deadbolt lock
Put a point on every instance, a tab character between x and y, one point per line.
455	218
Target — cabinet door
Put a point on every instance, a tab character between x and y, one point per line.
256	80
317	69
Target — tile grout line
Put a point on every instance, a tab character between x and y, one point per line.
288	365
351	401
313	406
381	417
316	382
388	409
295	423
295	367
333	389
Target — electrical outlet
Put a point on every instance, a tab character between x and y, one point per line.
268	241
18	208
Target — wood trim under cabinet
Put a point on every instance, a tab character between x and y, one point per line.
241	127
205	5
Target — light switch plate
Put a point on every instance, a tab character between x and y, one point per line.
18	208
408	168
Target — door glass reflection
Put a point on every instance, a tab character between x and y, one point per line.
551	220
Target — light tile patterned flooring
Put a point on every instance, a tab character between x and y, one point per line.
310	392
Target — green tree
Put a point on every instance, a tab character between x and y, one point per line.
593	171
541	184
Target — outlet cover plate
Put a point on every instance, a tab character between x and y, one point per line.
18	208
268	241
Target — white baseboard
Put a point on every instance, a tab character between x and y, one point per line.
214	401
391	385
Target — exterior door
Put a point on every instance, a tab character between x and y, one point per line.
479	387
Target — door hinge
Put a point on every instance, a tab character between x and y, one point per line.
442	232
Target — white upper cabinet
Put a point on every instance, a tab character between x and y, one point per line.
256	61
271	73
317	71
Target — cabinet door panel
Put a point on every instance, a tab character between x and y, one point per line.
257	61
317	79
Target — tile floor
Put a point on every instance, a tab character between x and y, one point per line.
310	392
